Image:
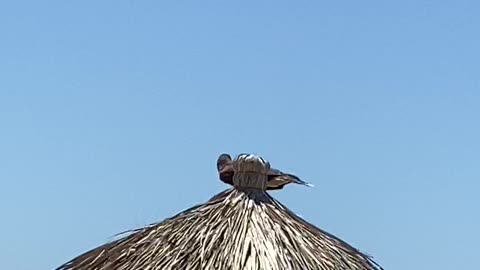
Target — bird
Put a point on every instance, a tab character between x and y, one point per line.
276	179
225	168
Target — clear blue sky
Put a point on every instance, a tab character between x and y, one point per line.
112	114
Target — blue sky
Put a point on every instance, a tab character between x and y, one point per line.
112	114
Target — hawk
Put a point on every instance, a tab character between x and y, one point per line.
276	179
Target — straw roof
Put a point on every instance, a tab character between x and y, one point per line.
240	228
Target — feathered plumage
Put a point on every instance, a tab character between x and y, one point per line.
276	178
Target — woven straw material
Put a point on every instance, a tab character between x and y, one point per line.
235	230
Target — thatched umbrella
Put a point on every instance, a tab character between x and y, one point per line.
240	228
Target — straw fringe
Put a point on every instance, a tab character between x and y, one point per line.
235	230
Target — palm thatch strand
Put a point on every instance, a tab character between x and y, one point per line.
242	228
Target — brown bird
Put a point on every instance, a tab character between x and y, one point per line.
225	168
276	179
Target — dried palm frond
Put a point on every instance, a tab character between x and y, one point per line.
240	228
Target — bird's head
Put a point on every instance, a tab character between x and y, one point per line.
223	161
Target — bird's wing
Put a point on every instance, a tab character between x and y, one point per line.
273	173
279	181
295	179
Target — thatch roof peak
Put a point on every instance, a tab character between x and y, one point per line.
250	172
242	228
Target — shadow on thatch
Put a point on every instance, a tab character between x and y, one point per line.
240	228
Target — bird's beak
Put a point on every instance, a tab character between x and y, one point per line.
226	168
